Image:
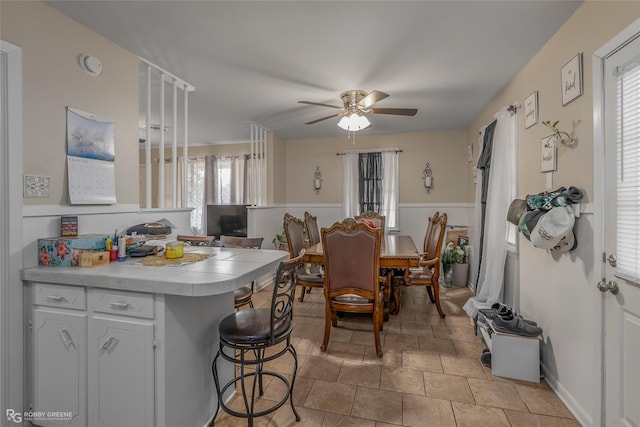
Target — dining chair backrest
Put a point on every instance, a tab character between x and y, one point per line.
313	233
375	217
241	242
427	234
352	258
295	235
196	240
434	246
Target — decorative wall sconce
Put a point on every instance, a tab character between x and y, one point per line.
427	178
317	180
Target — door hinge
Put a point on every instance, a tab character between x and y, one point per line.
29	325
155	343
604	257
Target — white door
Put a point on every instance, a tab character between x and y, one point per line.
621	284
121	373
58	366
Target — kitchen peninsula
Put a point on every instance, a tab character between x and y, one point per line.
129	344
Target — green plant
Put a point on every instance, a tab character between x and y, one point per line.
455	254
559	135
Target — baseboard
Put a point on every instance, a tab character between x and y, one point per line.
572	405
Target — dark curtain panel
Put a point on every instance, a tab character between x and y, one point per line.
484	163
370	175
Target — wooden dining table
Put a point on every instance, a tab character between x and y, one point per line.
396	252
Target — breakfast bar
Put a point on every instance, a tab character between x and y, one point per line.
131	344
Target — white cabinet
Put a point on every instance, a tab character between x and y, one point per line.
58	365
121	366
96	363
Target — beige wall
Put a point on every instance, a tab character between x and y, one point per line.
446	153
594	23
53	80
277	170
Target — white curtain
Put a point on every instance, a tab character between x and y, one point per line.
350	205
390	189
500	193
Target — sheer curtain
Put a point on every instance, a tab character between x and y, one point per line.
350	185
390	188
501	191
476	228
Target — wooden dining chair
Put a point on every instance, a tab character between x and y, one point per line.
196	240
242	296
375	217
351	277
295	239
429	272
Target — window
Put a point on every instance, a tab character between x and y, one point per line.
370	182
628	179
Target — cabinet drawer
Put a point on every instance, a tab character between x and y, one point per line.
59	296
121	302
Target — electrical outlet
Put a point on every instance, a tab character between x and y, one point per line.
37	186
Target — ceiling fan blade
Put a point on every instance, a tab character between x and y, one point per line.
319	104
396	111
373	97
324	118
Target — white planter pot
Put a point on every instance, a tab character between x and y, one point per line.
459	274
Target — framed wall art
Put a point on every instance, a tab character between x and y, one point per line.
572	79
548	161
531	110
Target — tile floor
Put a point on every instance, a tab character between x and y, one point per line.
430	374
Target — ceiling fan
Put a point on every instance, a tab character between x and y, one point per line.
357	103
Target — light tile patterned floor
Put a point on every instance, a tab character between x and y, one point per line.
430	374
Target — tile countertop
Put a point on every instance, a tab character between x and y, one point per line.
224	271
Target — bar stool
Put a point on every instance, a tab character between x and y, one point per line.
247	339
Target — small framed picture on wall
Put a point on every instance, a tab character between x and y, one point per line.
548	162
572	79
531	110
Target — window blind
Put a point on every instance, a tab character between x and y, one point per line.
628	175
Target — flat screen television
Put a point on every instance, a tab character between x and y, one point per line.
227	220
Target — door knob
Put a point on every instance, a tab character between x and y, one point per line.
610	286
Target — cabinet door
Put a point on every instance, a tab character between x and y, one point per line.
58	366
121	372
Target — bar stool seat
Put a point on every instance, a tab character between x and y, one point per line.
248	339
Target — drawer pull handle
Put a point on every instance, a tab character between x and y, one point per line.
119	305
54	298
107	344
65	336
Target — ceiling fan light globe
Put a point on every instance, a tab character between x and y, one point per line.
353	122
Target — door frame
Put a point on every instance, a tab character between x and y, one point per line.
598	59
11	236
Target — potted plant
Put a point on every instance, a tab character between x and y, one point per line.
455	264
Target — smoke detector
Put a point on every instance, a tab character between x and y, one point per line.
90	64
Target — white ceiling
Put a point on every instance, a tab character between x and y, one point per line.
253	61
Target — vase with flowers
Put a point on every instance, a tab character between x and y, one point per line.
455	264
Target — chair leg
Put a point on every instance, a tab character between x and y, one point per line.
377	325
301	299
329	316
216	381
293	352
430	293
436	292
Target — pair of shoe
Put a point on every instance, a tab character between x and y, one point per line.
485	359
507	320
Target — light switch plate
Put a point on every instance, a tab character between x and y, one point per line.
469	153
37	186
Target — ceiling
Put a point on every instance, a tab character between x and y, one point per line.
253	61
